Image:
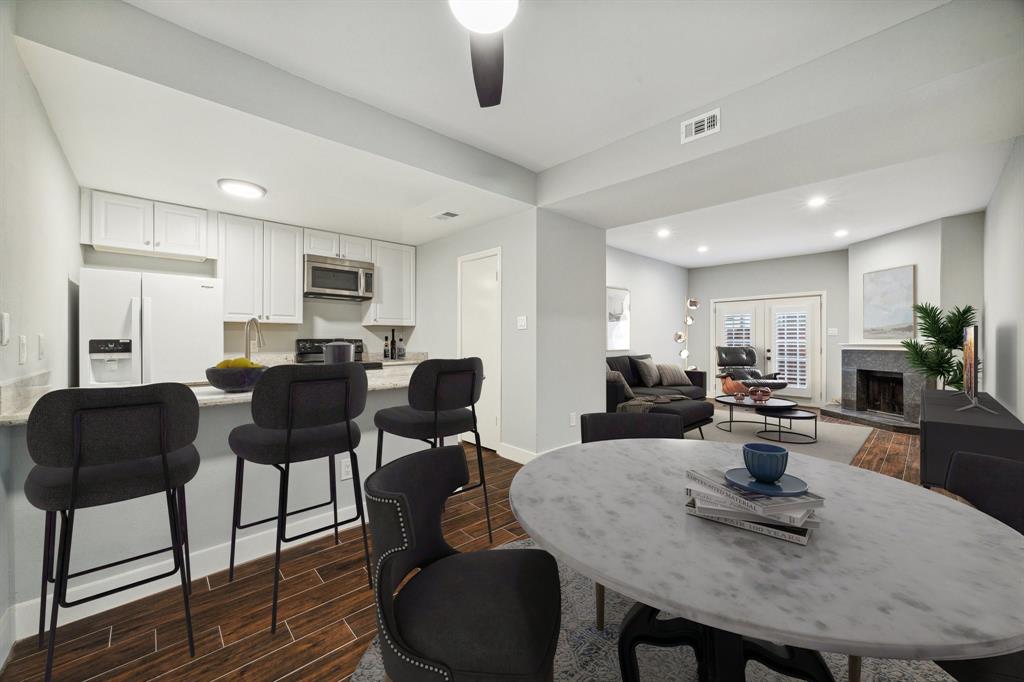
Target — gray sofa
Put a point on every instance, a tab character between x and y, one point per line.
695	413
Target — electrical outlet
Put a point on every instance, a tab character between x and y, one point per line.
521	322
346	469
5	329
572	419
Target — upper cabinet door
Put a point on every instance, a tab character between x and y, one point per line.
394	301
240	265
121	223
282	273
179	230
321	243
356	248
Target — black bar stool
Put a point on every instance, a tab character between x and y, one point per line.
100	446
301	413
442	402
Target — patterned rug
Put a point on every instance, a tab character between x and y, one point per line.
586	654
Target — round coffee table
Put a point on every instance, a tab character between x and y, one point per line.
733	402
787	434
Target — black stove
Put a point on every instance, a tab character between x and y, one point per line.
311	351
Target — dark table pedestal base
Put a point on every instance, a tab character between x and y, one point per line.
721	656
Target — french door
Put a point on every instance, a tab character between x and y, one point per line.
784	332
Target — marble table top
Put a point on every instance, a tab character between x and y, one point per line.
894	571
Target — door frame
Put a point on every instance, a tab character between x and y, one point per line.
823	322
478	255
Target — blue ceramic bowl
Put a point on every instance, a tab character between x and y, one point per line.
765	462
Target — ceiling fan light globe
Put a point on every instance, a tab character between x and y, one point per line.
484	16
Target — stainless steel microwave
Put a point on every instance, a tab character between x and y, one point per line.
347	280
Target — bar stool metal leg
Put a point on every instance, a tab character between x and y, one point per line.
282	516
334	496
483	481
48	539
236	518
183	526
60	585
358	491
179	565
380	447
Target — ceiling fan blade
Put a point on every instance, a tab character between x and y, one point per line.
488	55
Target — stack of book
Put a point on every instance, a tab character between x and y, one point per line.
710	496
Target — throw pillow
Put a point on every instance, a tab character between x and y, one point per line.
616	377
648	371
673	375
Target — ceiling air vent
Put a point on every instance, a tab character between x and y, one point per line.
446	215
700	126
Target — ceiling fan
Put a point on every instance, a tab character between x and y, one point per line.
486	19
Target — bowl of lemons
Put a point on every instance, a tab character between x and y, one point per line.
236	375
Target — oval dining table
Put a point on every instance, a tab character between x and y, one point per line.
894	570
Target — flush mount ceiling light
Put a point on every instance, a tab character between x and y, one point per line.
842	233
816	201
484	16
702	249
664	232
241	188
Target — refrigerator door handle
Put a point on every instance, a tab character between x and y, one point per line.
136	333
147	341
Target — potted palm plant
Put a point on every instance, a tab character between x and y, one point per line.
942	334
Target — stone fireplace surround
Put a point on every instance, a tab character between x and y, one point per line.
878	357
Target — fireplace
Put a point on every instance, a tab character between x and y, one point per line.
880	391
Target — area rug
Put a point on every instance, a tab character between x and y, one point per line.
586	654
836	442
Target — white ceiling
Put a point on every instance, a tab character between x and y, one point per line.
129	135
781	224
578	75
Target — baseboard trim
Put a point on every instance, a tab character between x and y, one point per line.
204	562
6	635
516	454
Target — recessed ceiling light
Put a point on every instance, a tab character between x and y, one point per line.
842	233
241	188
817	201
702	249
664	232
484	16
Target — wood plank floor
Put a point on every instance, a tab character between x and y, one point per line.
325	605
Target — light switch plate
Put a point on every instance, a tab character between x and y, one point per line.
521	322
41	346
22	349
833	331
5	329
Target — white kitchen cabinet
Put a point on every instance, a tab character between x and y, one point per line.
241	267
179	230
356	248
321	243
282	273
394	295
121	223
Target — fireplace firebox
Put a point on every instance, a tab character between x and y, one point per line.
879	391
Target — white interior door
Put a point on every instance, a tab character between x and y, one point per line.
784	332
479	335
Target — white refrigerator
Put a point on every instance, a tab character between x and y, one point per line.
141	327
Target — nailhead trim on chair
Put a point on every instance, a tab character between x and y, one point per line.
376	588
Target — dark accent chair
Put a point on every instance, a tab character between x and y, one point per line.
993	485
463	616
598	426
300	413
101	446
738	364
442	402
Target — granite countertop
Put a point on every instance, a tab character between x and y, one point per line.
394	375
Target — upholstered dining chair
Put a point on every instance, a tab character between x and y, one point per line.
100	446
300	413
474	616
597	426
993	485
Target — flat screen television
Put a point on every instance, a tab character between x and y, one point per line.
971	362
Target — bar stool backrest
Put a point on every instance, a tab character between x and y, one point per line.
438	385
93	426
304	396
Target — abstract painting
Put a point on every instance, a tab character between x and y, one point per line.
889	303
617	308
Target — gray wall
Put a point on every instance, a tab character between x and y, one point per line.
436	314
963	257
657	299
570	329
1003	335
818	272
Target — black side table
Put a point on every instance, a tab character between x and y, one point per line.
782	434
770	405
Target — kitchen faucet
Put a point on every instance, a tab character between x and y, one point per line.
249	324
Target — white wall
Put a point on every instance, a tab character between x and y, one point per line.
961	281
1003	331
818	272
570	326
436	313
39	256
657	299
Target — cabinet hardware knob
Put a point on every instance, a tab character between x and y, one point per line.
146	242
